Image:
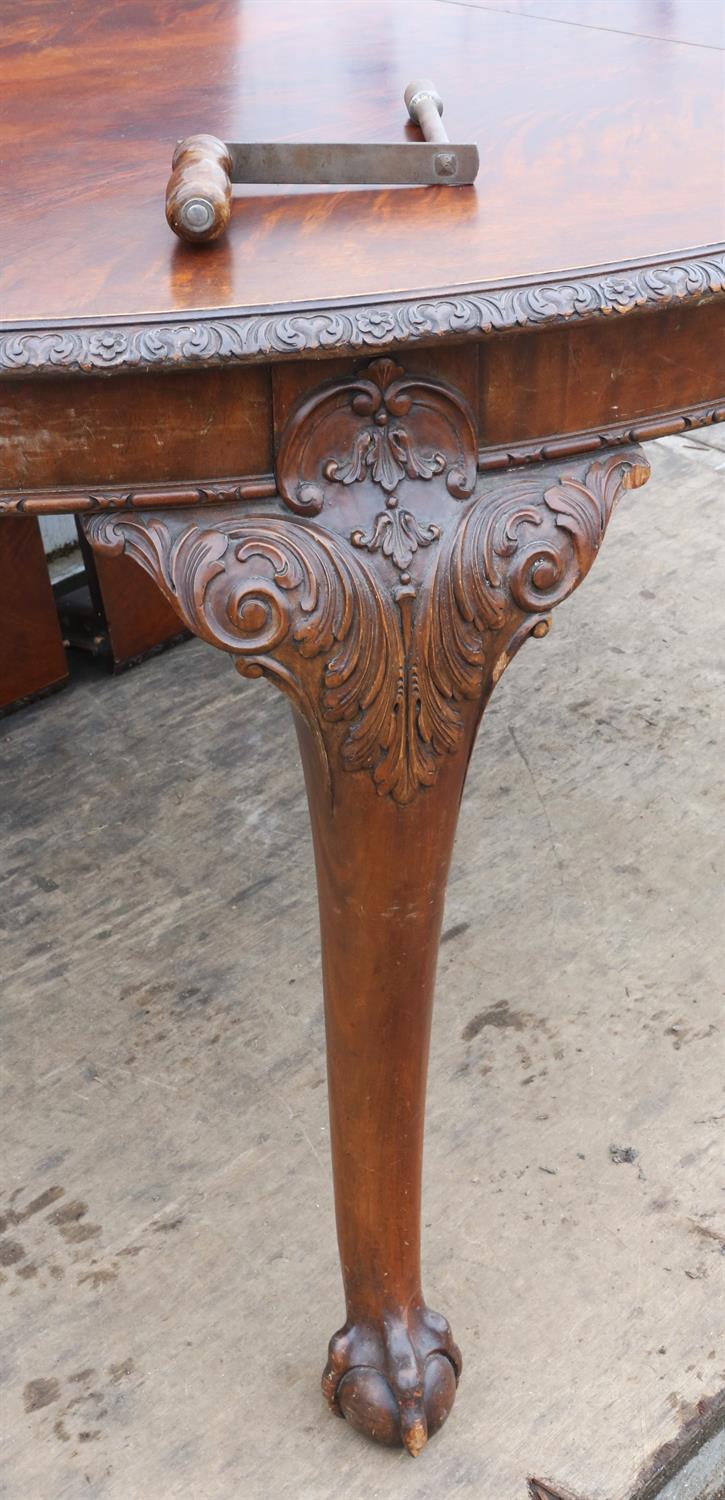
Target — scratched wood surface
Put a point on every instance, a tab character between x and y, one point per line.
599	144
168	1255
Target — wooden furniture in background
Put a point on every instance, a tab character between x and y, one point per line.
112	610
364	444
32	658
121	610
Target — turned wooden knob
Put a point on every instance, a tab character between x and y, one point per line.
199	191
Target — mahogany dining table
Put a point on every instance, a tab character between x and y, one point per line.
365	441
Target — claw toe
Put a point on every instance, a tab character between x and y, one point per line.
415	1437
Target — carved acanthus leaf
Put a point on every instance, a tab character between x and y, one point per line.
397	534
380	424
513	557
268	590
388	454
386	687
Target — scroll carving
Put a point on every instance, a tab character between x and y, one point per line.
384	666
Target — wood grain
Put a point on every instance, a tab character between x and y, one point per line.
32	659
130	432
610	373
596	148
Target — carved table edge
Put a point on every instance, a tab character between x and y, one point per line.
94	498
205	492
220	336
586	440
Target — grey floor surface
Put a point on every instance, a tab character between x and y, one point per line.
168	1264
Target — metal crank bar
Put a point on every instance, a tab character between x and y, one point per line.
199	191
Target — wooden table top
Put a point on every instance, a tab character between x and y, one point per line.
599	123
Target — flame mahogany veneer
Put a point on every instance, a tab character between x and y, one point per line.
364	445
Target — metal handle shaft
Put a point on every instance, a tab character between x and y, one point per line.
425	107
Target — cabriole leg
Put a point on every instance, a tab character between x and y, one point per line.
385	590
381	873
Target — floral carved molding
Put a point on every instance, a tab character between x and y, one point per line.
387	656
235	336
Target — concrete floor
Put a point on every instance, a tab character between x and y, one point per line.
169	1264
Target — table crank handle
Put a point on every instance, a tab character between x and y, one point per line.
199	190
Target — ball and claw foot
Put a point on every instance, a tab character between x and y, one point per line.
394	1380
